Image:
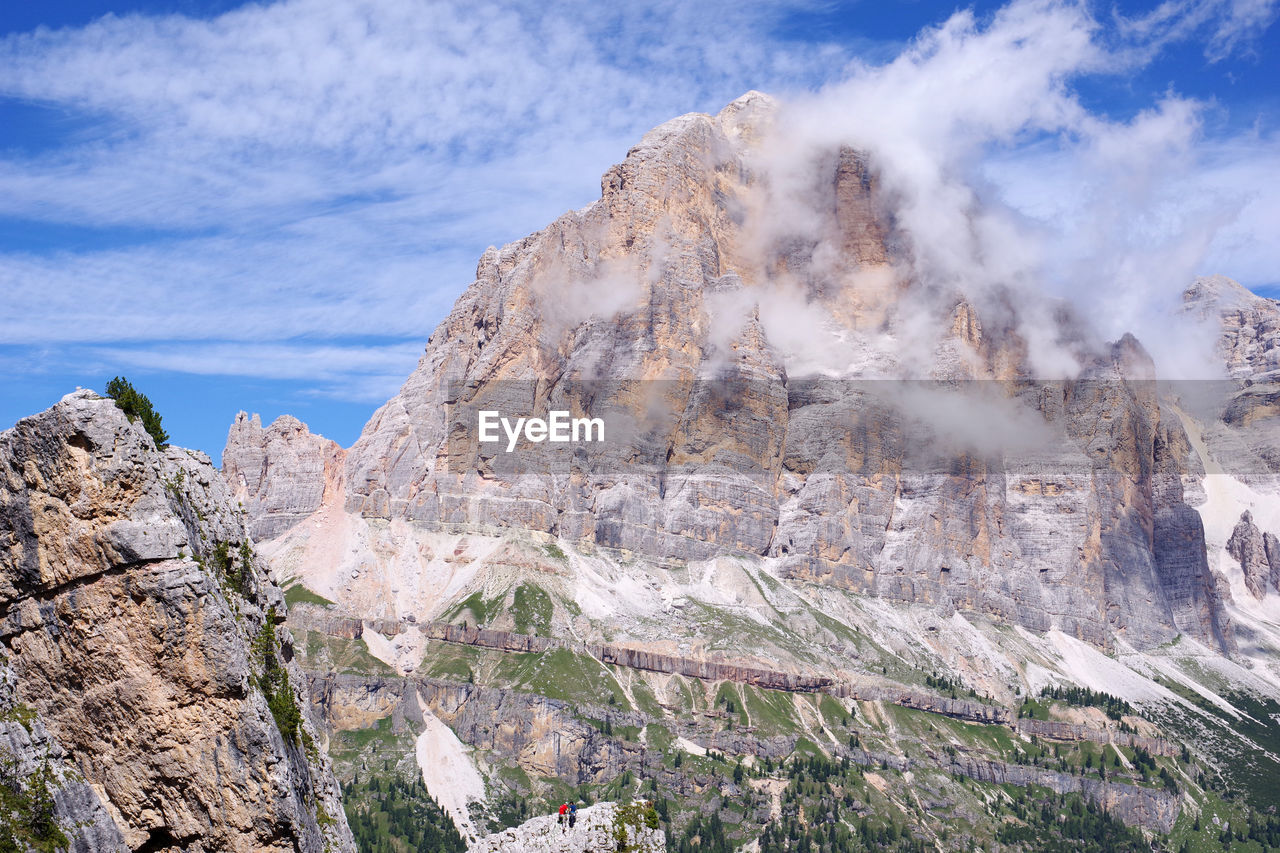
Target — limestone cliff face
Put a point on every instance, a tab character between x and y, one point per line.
136	632
280	474
740	365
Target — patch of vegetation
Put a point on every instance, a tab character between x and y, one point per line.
1223	824
20	713
659	736
562	674
728	700
688	700
1113	706
948	685
555	552
137	406
244	581
324	820
1258	777
629	824
220	558
607	728
235	577
274	683
833	712
299	594
451	661
1068	822
771	711
1033	709
482	610
729	630
27	820
389	814
349	744
806	747
644	698
531	608
509	809
322	651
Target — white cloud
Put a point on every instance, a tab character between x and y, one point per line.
270	361
306	101
317	169
309	171
1007	189
1228	26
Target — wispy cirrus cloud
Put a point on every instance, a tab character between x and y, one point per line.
309	171
1226	26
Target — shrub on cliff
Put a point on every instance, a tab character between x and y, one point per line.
274	683
136	405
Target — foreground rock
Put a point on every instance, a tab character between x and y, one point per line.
139	636
602	827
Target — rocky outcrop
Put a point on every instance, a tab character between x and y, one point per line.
920	700
1241	414
1060	730
139	630
597	828
280	474
544	735
633	658
311	618
707	670
1137	806
962	709
1258	555
1271	547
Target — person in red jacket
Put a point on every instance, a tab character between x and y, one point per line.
564	809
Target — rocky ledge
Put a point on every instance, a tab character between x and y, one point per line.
606	826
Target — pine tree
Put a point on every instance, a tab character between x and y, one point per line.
135	406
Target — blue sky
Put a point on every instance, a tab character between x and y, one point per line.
270	206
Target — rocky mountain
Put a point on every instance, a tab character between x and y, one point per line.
844	532
662	309
1249	341
148	700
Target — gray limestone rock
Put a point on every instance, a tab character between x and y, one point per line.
280	474
128	618
1257	554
